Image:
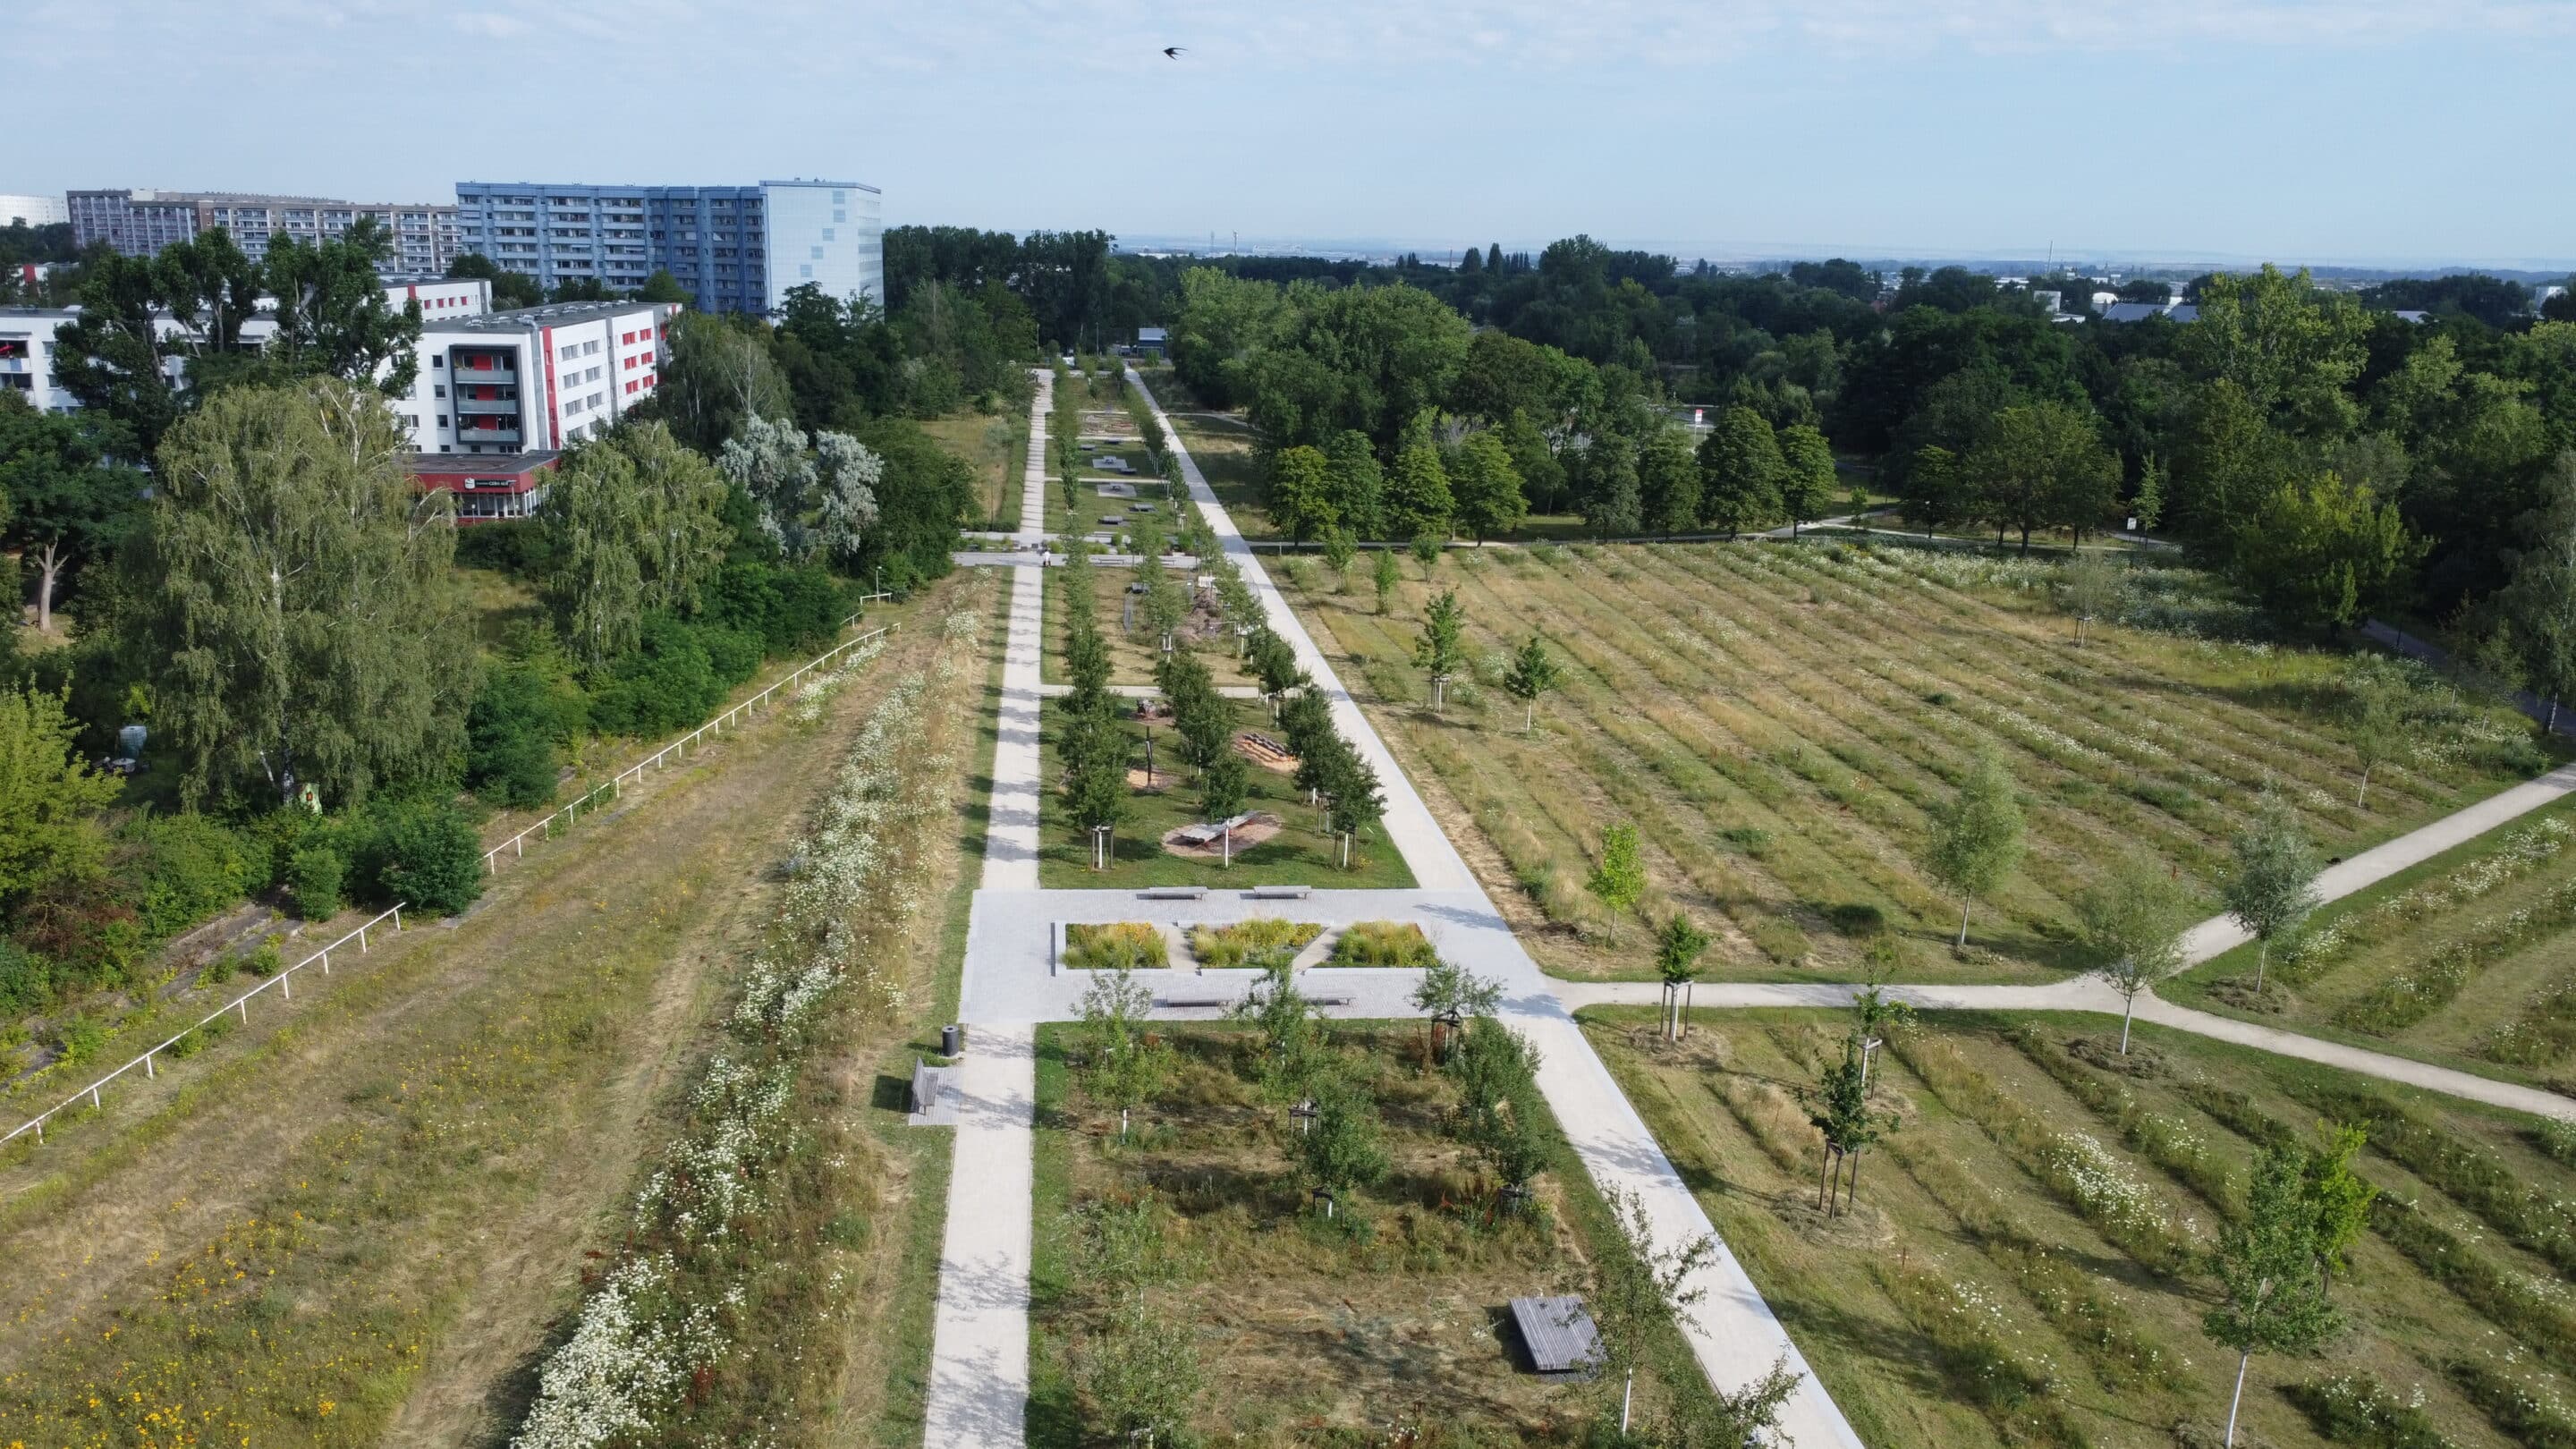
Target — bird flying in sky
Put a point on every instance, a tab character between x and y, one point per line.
1173	52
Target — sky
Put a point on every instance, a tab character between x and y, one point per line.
2403	132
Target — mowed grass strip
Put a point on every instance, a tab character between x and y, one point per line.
2022	1265
289	1251
1778	721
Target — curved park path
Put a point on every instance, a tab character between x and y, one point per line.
979	1363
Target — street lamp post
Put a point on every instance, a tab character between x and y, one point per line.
1100	847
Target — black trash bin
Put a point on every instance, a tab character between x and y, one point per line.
948	1040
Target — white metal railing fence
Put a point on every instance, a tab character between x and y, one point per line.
517	845
285	985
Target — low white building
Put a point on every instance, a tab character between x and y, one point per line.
27	334
533	379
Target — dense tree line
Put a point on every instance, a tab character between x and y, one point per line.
2335	456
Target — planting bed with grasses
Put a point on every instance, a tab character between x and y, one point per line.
1383	943
2024	1264
1119	946
1260	943
1777	720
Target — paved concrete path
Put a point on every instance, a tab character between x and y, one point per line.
979	1359
2220	934
2093	994
979	1354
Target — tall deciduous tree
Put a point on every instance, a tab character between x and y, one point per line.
1358	485
1740	469
292	590
333	318
66	500
2132	920
48	794
2267	1273
2322	552
1612	501
2270	886
2539	601
634	522
2043	464
1937	491
1668	481
1302	495
1806	474
2292	350
1977	836
2338	1199
1418	498
1487	487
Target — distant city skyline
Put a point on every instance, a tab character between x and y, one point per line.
2355	132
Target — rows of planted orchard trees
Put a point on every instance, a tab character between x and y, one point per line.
1095	750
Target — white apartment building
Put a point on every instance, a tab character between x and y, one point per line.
535	379
32	210
27	334
141	223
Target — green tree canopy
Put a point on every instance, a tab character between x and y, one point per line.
2323	552
2043	464
64	499
1740	472
1976	835
1806	473
1418	498
1487	487
1303	499
291	590
48	794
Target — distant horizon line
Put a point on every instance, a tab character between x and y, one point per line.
1369	248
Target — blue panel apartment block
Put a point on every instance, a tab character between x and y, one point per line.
735	248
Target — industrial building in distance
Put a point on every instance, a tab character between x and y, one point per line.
732	248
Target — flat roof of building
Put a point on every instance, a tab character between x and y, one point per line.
553	314
679	185
512	463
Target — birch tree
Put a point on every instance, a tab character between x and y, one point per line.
291	590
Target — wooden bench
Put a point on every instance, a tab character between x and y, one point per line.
1193	1003
1280	892
1172	893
